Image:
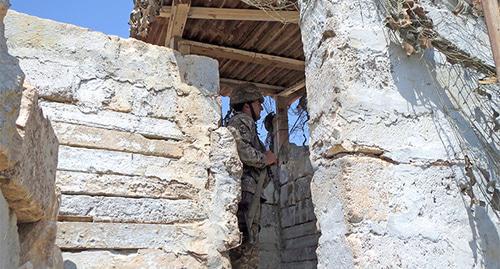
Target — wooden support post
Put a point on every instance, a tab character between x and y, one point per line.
281	125
177	21
492	18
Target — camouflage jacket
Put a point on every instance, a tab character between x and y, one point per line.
250	149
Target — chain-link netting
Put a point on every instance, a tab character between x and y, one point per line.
469	96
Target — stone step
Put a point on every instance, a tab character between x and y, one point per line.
99	138
122	185
169	237
149	127
131	210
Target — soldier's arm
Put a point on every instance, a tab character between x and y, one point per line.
248	154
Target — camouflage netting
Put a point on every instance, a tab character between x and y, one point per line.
409	19
141	17
272	4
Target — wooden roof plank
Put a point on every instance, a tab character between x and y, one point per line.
209	13
265	89
242	55
177	22
295	88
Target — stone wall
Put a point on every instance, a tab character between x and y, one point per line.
387	143
28	160
299	234
146	176
10	89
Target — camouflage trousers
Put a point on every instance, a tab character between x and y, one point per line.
246	255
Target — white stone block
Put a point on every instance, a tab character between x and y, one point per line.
123	185
149	127
99	138
169	237
132	210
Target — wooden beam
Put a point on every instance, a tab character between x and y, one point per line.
215	51
292	98
177	21
280	126
492	18
208	13
298	86
265	89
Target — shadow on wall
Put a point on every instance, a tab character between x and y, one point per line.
429	83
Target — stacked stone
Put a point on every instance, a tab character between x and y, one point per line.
388	166
146	177
299	234
28	160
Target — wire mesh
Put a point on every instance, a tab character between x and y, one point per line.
466	80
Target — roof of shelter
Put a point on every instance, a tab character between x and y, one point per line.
251	45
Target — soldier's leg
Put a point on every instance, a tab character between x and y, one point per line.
246	255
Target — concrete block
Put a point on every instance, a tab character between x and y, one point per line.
299	254
137	210
123	185
302	242
142	258
87	235
98	138
104	161
296	214
300	230
149	127
301	265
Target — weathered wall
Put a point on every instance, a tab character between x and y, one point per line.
142	165
10	90
384	145
299	234
28	160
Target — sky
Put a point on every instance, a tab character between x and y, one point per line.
111	17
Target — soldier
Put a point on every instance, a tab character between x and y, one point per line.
246	103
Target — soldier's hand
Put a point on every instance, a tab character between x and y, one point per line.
270	158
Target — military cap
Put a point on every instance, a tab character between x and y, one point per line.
245	93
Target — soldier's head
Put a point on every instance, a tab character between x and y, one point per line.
246	98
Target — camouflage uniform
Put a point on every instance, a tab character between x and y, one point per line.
252	155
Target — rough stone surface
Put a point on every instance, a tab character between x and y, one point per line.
140	146
386	142
123	185
137	210
142	258
299	235
9	243
11	78
30	189
90	137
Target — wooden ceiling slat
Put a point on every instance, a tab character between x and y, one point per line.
265	37
238	14
242	55
177	21
272	76
259	75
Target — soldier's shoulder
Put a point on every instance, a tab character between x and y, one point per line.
240	119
